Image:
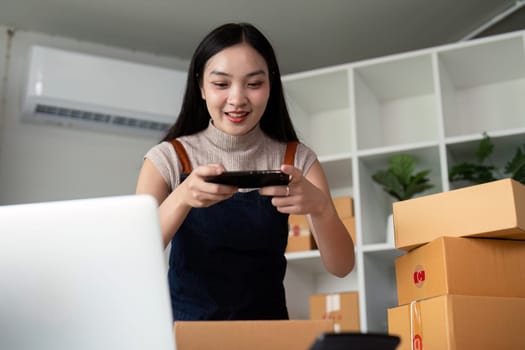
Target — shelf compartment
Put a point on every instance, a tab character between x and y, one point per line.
319	107
380	287
339	176
305	275
505	147
482	86
375	203
395	103
309	260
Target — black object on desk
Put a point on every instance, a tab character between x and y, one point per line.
355	341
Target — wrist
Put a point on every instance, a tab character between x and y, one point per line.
325	209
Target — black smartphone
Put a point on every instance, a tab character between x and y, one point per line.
355	341
251	178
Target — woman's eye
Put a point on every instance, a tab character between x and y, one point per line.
255	84
220	84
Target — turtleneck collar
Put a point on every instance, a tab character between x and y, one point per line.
233	142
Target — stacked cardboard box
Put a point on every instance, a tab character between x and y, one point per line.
345	210
495	209
341	308
300	237
461	285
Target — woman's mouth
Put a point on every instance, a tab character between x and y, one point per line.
236	116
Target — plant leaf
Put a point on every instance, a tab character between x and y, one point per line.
418	183
485	148
516	166
402	166
390	183
420	177
471	172
415	188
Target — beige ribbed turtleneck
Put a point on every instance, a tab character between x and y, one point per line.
252	151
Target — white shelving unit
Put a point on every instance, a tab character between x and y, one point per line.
3	49
433	104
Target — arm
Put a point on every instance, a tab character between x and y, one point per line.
310	195
331	236
193	192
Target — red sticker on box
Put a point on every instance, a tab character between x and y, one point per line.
419	276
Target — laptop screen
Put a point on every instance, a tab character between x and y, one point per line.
84	274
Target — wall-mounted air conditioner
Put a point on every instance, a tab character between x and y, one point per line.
77	90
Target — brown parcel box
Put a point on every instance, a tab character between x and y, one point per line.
342	308
298	225
460	322
300	243
252	335
350	226
298	229
299	236
495	209
344	206
466	266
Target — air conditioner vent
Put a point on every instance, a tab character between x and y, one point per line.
88	116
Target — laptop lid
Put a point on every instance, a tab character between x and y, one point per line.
84	274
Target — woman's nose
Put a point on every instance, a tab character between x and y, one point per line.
237	96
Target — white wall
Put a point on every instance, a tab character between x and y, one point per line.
44	163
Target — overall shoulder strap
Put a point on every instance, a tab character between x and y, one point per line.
183	156
289	156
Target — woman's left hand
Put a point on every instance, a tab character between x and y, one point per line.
300	197
310	195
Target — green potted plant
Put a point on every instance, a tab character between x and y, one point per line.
483	170
401	181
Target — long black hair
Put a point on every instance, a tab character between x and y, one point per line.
194	117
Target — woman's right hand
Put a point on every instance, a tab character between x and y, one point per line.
198	193
194	192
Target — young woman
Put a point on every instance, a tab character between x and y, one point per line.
227	244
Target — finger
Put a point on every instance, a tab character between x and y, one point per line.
275	191
218	189
292	171
284	206
209	169
207	193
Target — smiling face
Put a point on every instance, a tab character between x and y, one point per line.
236	88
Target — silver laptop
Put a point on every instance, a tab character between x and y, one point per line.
84	274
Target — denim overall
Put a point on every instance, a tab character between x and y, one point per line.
227	261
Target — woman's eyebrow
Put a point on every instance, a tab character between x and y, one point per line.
257	72
220	73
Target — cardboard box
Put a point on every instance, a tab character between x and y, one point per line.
300	243
495	209
459	322
298	225
350	226
466	266
300	237
341	308
253	335
344	206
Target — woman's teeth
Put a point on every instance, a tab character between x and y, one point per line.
237	114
